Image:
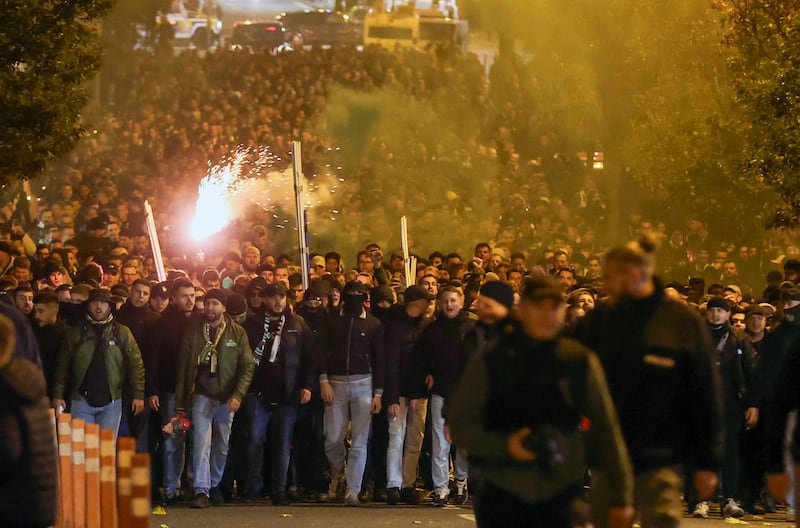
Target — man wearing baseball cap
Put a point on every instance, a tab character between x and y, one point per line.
282	382
517	411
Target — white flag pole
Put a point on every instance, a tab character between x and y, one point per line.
297	170
154	244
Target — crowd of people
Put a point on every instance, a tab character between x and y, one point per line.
244	383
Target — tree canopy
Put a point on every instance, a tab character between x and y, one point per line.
49	49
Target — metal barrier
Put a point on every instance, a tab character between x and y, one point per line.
101	485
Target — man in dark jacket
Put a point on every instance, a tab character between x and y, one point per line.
140	319
309	438
28	479
441	358
216	368
161	371
779	368
657	355
740	401
351	383
281	383
49	332
403	326
518	410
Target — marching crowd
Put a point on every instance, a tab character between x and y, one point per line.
242	384
367	385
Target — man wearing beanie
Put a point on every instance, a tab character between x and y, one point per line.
309	432
517	411
740	402
98	357
403	326
780	416
657	356
216	367
494	304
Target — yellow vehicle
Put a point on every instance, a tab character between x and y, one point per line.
436	28
391	30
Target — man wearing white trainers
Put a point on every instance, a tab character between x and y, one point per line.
442	357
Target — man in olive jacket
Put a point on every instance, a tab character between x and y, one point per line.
98	357
216	367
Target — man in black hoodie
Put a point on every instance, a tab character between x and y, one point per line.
403	326
351	383
657	355
441	359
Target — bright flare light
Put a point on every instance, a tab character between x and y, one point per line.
213	212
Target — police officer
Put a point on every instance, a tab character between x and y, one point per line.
517	412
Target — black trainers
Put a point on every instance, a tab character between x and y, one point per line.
171	500
379	495
366	493
409	496
440	499
280	499
462	492
215	497
200	501
392	496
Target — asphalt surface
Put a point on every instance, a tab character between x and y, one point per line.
369	516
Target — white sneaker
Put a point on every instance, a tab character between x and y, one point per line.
701	510
351	498
732	509
790	515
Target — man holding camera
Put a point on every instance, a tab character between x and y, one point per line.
518	413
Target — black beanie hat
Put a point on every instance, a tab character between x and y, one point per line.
500	292
718	302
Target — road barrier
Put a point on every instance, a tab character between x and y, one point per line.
101	484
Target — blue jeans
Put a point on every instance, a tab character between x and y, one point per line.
211	429
107	416
174	446
352	404
440	457
280	421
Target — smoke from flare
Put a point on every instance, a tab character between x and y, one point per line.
247	178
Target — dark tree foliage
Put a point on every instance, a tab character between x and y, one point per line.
764	39
49	49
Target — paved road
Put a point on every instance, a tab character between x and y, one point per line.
372	516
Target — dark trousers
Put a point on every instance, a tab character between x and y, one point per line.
279	420
375	470
308	453
496	508
729	477
753	465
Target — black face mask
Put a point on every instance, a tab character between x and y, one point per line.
353	304
792	314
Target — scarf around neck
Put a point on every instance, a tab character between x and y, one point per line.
210	348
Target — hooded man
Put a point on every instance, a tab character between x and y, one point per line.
351	383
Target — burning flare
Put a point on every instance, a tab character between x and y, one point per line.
213	212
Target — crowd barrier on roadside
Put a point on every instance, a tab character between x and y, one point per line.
101	484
